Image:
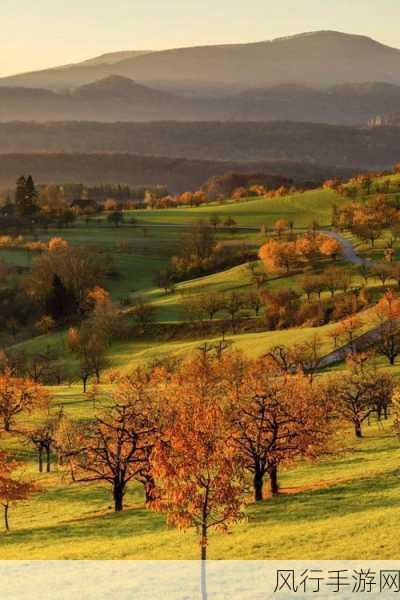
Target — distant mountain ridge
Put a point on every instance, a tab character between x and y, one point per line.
319	59
117	98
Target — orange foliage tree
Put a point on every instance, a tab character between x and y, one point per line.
329	247
278	255
348	328
11	489
278	417
197	467
19	395
280	226
388	315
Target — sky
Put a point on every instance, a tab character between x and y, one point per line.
48	33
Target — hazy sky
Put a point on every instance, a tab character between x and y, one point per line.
51	32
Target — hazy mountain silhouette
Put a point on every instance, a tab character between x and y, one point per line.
324	58
117	98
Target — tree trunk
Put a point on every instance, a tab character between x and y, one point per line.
357	428
7	424
118	493
84	381
203	576
48	462
6	523
258	486
150	490
40	455
273	478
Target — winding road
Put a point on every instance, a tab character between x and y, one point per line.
347	248
366	340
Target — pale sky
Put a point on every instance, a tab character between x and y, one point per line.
47	33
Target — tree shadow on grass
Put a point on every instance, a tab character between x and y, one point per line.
352	497
106	527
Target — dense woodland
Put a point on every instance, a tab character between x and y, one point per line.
314	144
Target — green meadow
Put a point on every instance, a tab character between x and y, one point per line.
343	506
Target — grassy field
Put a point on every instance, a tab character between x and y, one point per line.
135	267
301	208
344	507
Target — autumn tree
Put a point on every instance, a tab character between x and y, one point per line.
198	241
280	226
211	303
382	271
278	255
307	356
117	446
12	488
370	233
103	315
40	366
198	469
233	304
388	316
359	392
278	417
68	441
349	327
66	274
19	395
90	345
332	278
313	284
42	438
280	307
330	247
254	301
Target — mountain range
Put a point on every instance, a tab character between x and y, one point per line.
317	59
324	77
117	98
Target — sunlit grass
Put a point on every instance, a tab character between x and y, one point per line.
345	507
